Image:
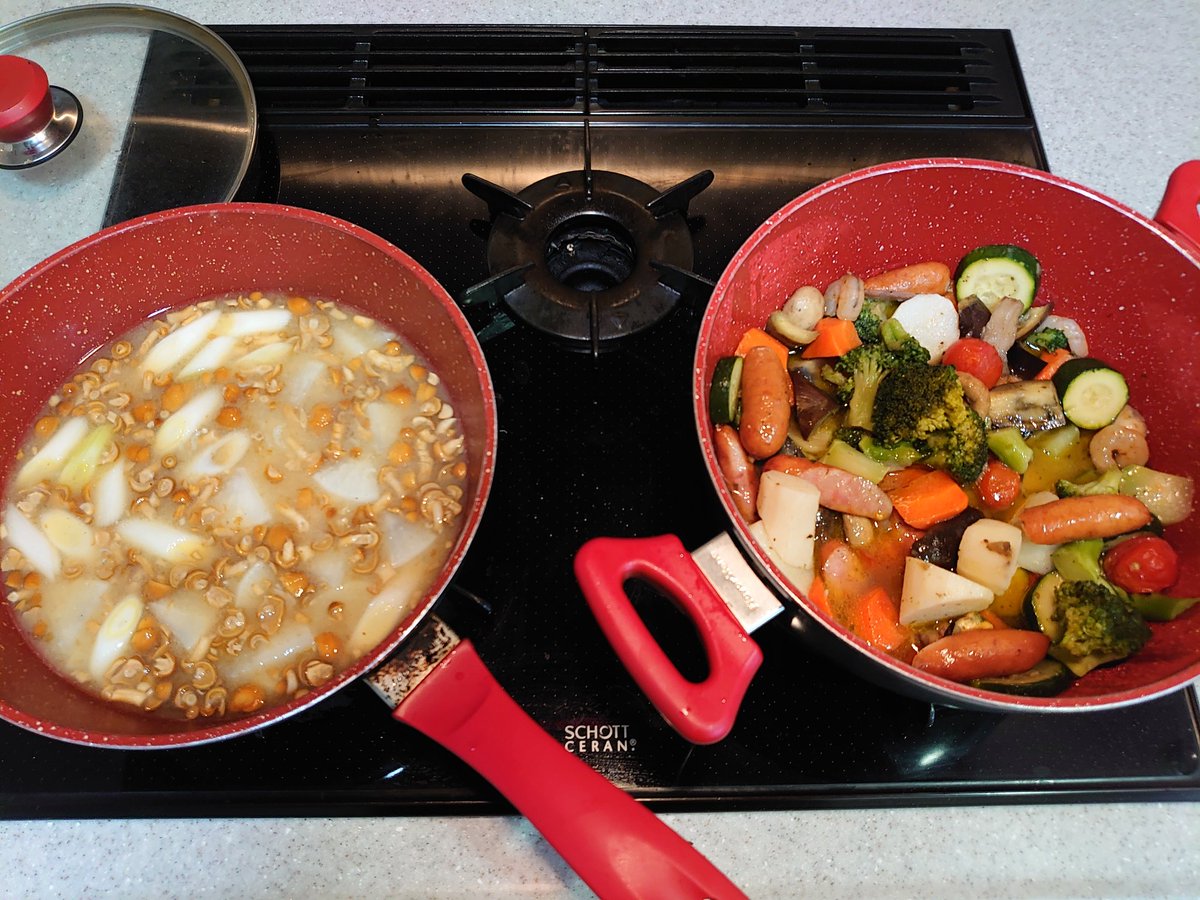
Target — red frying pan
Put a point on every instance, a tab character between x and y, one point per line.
87	294
1132	283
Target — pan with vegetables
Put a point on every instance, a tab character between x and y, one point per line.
947	407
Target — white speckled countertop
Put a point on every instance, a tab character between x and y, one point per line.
1115	87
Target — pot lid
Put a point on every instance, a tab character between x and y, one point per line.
110	112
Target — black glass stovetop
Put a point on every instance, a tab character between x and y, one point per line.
378	125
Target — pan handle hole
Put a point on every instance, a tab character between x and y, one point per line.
671	629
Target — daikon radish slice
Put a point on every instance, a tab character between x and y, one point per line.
162	540
404	541
187	420
32	543
398	596
66	608
209	357
71	536
254	585
264	664
85	459
354	480
386	421
174	348
801	577
351	340
190	619
241	499
110	495
218	457
48	461
266	355
114	634
254	321
931	320
300	378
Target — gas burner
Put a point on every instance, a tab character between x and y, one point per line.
588	257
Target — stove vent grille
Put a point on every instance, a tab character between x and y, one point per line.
381	72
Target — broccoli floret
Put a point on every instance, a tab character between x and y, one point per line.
925	406
874	314
862	440
1047	340
1097	621
1108	483
858	373
867	325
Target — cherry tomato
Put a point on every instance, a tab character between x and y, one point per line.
975	357
998	486
1142	564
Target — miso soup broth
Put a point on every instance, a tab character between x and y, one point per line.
230	504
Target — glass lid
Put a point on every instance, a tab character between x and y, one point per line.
109	112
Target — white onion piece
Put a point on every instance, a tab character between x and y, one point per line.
266	355
254	321
174	348
404	541
114	635
264	664
210	357
218	457
71	536
399	595
931	320
386	421
110	496
48	461
85	458
31	543
190	620
241	499
1076	339
354	480
161	540
187	420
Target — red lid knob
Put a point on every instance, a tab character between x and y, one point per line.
25	105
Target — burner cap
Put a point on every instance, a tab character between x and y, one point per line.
590	250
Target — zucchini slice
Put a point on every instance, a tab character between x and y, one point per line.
725	390
1092	392
1046	679
1039	606
997	271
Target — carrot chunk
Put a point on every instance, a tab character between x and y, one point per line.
931	498
835	337
756	337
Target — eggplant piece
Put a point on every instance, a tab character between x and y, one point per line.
939	545
1022	363
1032	318
972	317
811	404
1030	406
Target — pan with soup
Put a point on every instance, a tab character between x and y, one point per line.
230	504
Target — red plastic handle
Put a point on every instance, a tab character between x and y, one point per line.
616	845
703	712
1178	210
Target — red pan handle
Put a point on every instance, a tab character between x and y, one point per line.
616	845
703	712
1178	208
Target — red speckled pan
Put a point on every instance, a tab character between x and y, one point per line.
1132	283
84	296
